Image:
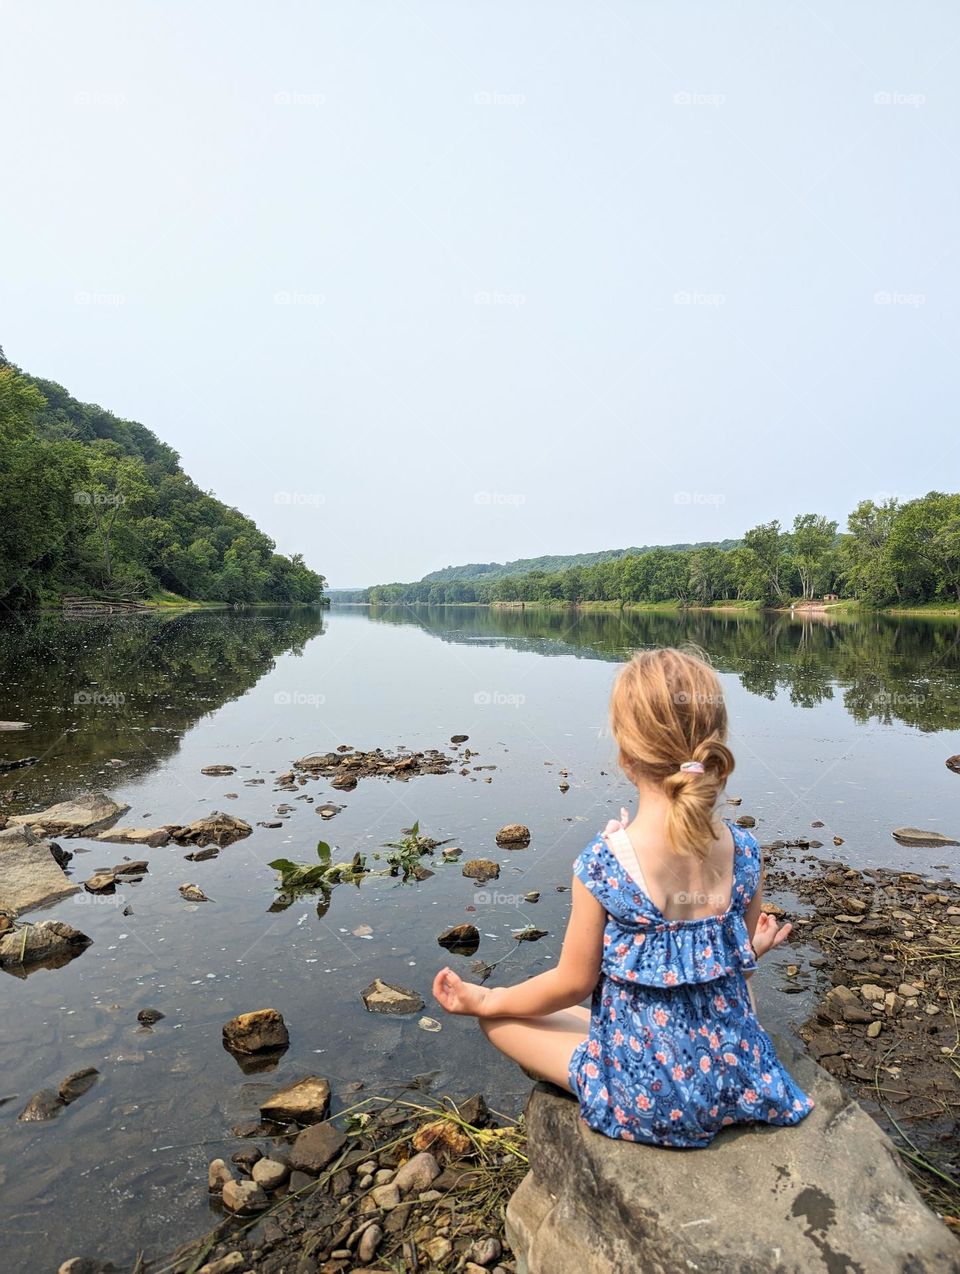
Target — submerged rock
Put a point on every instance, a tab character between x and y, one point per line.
218	771
77	1084
513	834
44	941
213	829
381	997
305	1102
30	875
43	1105
919	838
82	816
193	893
254	1032
461	939
152	837
481	869
953	763
149	1017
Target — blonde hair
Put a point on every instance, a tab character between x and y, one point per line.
666	708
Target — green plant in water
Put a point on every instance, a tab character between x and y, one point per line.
300	878
407	852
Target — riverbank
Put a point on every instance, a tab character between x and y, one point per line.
843	609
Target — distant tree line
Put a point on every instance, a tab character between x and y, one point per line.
891	553
92	503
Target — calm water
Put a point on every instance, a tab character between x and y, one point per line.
847	723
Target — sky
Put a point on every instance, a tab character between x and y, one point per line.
423	282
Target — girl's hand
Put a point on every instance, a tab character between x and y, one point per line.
767	935
456	996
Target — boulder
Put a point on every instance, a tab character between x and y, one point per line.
152	837
315	1147
381	997
305	1102
29	874
481	869
48	940
828	1194
213	829
513	834
83	816
254	1032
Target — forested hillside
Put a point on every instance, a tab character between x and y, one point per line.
93	503
488	571
891	554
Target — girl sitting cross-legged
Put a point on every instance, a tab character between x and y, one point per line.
665	929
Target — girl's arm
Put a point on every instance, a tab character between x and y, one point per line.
762	928
570	982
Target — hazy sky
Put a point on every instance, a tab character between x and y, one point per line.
427	281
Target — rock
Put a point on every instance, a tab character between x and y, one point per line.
243	1197
529	934
29	874
193	893
45	1104
381	997
953	763
919	838
86	1265
594	1205
47	940
746	820
461	939
80	817
315	1147
327	812
232	1263
459	738
370	1240
513	834
76	1084
102	882
485	1251
439	1248
152	837
218	771
451	854
256	1031
218	1174
386	1196
20	764
270	1173
62	857
481	869
475	1111
305	1102
873	1030
147	1017
532	896
418	1173
840	1004
908	990
214	829
269	825
872	993
133	867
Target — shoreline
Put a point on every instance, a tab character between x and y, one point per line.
842	609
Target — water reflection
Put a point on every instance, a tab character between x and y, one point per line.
883	668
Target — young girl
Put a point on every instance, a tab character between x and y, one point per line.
664	931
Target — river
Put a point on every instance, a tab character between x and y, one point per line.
847	723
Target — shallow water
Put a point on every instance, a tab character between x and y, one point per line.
848	723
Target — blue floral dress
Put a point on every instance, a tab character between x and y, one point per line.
675	1050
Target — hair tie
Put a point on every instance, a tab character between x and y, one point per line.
692	767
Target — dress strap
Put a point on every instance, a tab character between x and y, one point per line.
622	847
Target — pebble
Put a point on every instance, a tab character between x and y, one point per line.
369	1242
270	1173
485	1251
386	1196
873	1030
383	1175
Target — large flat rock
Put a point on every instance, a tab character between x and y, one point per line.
828	1195
82	816
29	874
